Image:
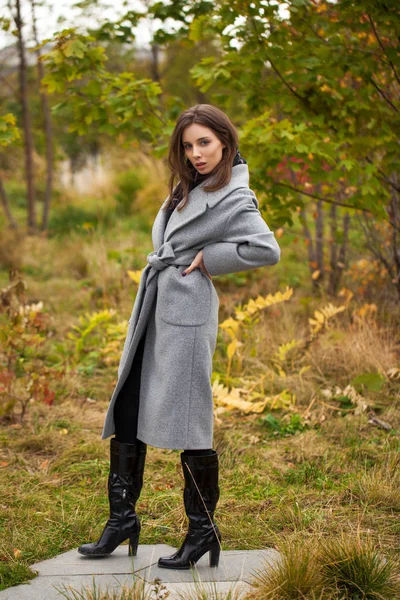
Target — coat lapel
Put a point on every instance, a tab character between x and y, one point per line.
158	229
196	206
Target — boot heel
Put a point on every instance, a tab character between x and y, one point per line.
214	555
133	546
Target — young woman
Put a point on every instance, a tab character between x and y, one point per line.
209	225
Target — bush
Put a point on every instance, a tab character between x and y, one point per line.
11	248
25	330
357	571
74	217
129	183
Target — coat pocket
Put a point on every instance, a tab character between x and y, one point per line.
184	301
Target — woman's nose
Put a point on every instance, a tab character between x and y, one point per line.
196	152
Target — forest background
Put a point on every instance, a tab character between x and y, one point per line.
306	371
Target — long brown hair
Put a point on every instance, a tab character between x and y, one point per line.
182	170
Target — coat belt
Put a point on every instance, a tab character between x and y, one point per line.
164	257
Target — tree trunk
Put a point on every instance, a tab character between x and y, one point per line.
394	213
319	240
47	129
312	263
155	69
338	253
26	118
333	250
343	249
315	248
6	206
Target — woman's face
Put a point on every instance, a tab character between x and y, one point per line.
202	147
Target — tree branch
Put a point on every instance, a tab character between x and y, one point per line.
374	249
383	47
384	177
382	93
286	83
329	200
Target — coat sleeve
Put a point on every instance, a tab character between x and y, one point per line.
247	243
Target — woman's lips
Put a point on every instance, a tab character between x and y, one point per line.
201	165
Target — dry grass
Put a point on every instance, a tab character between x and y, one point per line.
380	486
295	577
357	348
346	567
137	591
156	591
354	568
340	474
12	246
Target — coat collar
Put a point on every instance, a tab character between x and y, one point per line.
196	206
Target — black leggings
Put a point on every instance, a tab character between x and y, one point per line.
126	408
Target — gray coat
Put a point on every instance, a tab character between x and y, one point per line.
181	313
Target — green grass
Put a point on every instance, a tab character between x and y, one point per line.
54	495
284	476
13	572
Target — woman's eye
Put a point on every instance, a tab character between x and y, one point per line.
203	142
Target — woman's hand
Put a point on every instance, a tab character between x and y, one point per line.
197	263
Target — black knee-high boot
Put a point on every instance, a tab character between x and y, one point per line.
200	497
125	483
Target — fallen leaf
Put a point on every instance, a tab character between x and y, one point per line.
254	439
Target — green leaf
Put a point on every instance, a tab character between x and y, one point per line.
372	381
75	48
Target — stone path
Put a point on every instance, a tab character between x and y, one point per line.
71	570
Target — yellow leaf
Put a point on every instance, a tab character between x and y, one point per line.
135	275
230	324
272	299
232	349
244	406
283	399
87	226
240	315
393	373
304	370
346	294
316	274
231	400
322	316
17	553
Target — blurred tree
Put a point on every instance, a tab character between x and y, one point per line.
312	85
8	133
48	128
318	83
15	10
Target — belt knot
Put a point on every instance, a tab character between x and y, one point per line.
161	258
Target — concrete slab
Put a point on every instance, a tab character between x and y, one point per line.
73	563
234	565
186	591
51	587
71	570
